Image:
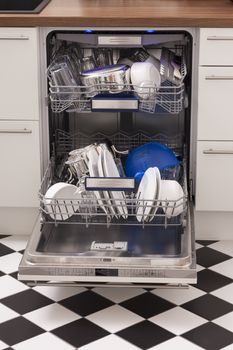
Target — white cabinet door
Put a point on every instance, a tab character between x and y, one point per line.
214	176
215	103
19	83
20	163
216	46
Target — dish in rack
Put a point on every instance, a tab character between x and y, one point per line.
151	199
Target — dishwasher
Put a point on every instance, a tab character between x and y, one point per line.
101	119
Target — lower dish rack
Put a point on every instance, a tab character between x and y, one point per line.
88	211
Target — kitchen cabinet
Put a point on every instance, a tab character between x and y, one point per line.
216	46
214	190
19	87
20	163
215	103
214	162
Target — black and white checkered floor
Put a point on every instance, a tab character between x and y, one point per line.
118	318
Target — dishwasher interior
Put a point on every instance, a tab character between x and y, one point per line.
112	236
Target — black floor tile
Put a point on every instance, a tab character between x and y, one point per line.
210	336
208	280
145	334
208	306
205	242
1	273
26	301
86	303
80	332
18	330
4	250
147	305
208	257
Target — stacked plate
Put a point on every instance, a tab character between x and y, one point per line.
148	194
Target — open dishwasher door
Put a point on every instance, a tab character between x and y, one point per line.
110	235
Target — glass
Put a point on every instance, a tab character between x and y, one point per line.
87	63
103	57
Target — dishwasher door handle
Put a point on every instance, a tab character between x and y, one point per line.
15	131
219	77
217	151
224	37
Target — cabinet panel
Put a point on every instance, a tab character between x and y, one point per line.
20	163
19	87
215	103
216	46
214	176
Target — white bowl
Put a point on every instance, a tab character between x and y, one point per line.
144	75
172	198
61	200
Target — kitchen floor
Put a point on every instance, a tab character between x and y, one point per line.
66	318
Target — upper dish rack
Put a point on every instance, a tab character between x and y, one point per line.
168	96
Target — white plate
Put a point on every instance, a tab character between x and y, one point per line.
146	194
158	193
101	174
172	197
61	201
93	157
111	170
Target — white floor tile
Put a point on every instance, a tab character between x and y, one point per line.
16	242
225	321
112	342
117	295
10	263
6	313
114	318
176	343
199	268
179	296
225	268
178	320
51	316
225	247
43	341
59	293
3	345
225	293
198	246
9	286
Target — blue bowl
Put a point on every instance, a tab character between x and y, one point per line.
153	154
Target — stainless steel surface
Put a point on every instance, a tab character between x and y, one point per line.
22	6
15	131
113	79
110	183
217	151
61	254
219	77
128	40
54	257
110	285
